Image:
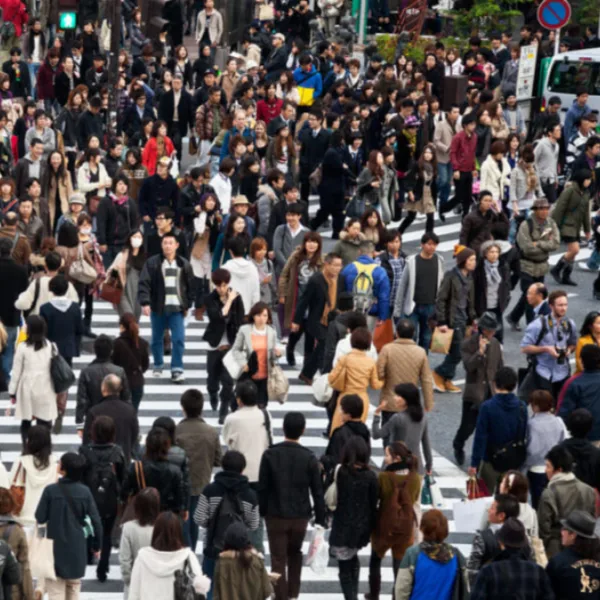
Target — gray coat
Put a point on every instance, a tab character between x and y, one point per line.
242	347
284	244
365	190
534	259
266	199
480	369
133	539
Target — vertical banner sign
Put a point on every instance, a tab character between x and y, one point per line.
526	76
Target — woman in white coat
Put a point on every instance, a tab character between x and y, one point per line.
495	173
255	349
154	569
31	389
34	470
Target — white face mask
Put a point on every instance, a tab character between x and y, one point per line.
86	230
136	243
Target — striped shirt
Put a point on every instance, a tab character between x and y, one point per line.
207	509
171	275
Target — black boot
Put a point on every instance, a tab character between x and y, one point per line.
556	270
566	276
289	355
87	331
346	580
374	587
214	401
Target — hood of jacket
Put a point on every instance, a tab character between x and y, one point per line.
359	428
268	191
63	304
39	477
162	564
241	268
582	450
232	481
506	402
344	237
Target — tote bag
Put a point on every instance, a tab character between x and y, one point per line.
277	384
81	270
41	556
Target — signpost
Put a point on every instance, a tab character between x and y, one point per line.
526	75
554	15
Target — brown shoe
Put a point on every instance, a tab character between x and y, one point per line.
199	314
305	379
439	383
453	389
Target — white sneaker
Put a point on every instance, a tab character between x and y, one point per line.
177	377
157	373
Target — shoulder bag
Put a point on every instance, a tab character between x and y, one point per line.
18	491
331	495
277	384
60	372
129	513
81	270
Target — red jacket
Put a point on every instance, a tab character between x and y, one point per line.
462	152
268	110
45	81
150	153
14	10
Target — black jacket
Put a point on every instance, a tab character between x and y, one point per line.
566	570
151	289
10	570
313	149
185	111
131	122
189	198
89	124
481	286
340	436
333	182
156	192
94	83
103	454
89	392
134	361
276	61
62	87
13	281
477	227
165	477
20	87
276	122
65	328
314	299
586	458
218	324
114	222
125	418
22	174
288	473
154	243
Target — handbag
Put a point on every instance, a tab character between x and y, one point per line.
41	557
477	488
357	207
112	290
331	495
129	512
316	177
81	270
60	372
231	364
18	491
266	12
183	586
469	513
426	492
322	391
383	334
441	341
278	385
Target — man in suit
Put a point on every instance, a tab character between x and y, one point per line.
209	27
537	298
96	77
139	110
285	119
316	300
31	165
276	61
314	142
176	109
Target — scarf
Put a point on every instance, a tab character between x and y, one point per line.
427	172
263	268
120	200
531	176
331	301
442	553
492	273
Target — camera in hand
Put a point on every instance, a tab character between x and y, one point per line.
562	356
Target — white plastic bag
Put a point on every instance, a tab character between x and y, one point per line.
322	391
174	170
318	552
437	499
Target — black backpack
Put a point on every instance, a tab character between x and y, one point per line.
228	512
103	483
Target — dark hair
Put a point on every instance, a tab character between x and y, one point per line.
58	285
508	505
588	322
131	327
555	295
405	329
355	451
167	535
542	399
103	430
561	459
580	422
590	357
506	379
434	526
345	302
220	276
294	424
519	486
402	451
146	506
429	236
410	393
233	461
53	261
73	465
192	402
168	425
352	404
355	320
36	332
246	392
68	235
103	347
360	339
157	444
39	445
258	309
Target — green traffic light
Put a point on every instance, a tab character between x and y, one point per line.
67	20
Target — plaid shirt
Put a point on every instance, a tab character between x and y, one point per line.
511	576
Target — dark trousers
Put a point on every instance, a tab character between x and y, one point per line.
26	426
85	293
468	421
549	190
220	375
411	216
386	415
375	573
463	194
334	206
304	187
349	572
499	335
537	484
522	306
190	529
208	568
263	394
137	393
314	360
202	290
285	542
447	369
175	135
107	527
294	337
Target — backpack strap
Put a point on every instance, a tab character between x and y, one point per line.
80	520
139	475
15	241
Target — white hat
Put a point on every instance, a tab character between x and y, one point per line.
280	36
251	65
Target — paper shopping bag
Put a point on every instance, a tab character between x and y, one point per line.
441	341
468	514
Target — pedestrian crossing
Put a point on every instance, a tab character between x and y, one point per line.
161	397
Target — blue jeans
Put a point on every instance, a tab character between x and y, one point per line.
9	352
593	262
420	318
444	182
515	222
190	529
137	394
33	71
447	369
175	322
208	568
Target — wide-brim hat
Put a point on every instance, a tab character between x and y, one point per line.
540	203
488	320
581	523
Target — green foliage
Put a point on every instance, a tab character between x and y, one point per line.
485	17
586	12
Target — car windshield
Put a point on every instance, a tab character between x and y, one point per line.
567	76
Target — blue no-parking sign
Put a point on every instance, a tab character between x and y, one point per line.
554	14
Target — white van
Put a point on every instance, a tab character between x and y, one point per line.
571	70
